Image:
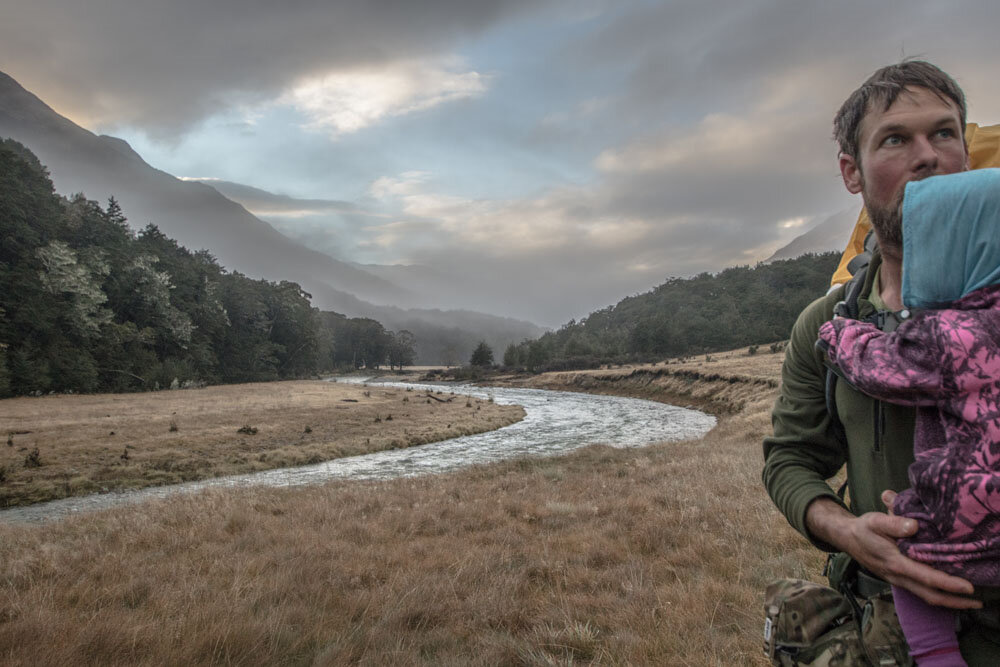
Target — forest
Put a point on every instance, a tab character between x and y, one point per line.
741	306
87	304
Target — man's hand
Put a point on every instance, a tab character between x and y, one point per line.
871	540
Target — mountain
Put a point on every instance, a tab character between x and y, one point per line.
194	214
263	203
318	222
199	216
830	234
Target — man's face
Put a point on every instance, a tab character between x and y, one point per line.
920	135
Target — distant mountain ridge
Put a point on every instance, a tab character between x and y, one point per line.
830	234
433	286
198	216
102	166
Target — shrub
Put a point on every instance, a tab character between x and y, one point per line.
33	459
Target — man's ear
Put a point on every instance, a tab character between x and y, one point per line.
850	171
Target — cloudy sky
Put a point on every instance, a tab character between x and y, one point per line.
559	154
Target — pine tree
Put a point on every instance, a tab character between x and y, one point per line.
482	356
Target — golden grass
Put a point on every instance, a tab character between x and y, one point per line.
93	443
652	556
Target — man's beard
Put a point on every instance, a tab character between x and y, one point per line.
887	221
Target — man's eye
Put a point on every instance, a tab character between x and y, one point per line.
946	132
892	140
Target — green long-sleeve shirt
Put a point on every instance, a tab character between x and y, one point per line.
803	452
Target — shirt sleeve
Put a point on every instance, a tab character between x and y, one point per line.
803	453
907	366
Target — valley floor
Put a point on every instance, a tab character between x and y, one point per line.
651	556
73	445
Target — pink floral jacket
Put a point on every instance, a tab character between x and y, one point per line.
946	363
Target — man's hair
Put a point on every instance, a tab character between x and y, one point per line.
881	90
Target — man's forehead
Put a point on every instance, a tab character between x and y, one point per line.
911	99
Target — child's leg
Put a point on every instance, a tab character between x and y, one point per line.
929	630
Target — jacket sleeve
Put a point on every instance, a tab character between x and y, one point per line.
803	452
907	366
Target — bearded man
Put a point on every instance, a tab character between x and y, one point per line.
903	124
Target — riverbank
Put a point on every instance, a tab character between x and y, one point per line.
721	384
61	446
650	556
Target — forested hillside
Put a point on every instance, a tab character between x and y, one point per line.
86	304
740	306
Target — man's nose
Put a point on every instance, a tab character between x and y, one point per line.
925	157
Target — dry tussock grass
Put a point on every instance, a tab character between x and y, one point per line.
93	443
653	556
725	384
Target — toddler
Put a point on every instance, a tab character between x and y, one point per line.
945	361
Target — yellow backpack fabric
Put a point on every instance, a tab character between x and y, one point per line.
984	151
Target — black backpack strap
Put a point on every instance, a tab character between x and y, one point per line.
830	387
847	308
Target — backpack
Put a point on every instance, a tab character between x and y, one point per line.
886	320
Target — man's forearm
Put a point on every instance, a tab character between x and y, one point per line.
828	521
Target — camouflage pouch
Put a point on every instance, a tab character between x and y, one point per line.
810	624
881	634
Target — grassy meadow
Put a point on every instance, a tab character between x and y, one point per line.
60	446
649	556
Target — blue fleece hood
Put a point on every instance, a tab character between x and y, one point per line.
951	237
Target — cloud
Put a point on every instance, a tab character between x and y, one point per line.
571	240
718	134
494	227
347	101
164	66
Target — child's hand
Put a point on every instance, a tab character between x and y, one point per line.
888	498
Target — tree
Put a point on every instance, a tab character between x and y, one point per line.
482	356
402	349
511	357
4	374
449	354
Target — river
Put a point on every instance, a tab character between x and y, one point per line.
555	422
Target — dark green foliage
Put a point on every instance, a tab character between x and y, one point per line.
740	306
482	356
511	356
402	349
88	305
29	369
4	373
360	342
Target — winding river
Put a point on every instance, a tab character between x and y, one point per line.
554	422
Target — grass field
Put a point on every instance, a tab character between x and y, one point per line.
651	556
61	446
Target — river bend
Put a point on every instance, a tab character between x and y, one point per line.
555	422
